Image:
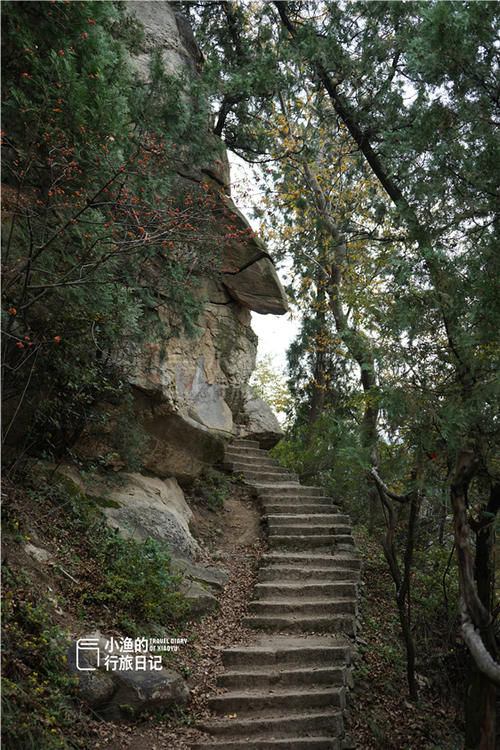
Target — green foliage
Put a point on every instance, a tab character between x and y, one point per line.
37	691
134	579
121	583
328	454
380	183
435	601
129	437
212	489
97	239
269	385
139	580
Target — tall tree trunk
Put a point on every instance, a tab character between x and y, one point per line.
402	581
318	394
319	389
481	693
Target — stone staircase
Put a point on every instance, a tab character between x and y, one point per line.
287	690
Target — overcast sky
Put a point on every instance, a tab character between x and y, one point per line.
275	333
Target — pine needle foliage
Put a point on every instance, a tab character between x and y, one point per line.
98	235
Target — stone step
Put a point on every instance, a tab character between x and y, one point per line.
274	677
306	518
323	542
310	606
273	475
275	743
327	515
279	651
308	529
278	701
348	560
302	624
259	743
253	462
299	542
288	490
246	443
239	462
287	692
251	454
279	727
278	472
290	573
299	507
301	590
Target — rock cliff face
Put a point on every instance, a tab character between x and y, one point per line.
190	392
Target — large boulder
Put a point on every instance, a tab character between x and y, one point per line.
144	507
260	422
189	390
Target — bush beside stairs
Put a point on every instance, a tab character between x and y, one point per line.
288	689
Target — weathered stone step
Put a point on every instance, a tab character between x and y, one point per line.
297	506
275	743
348	560
326	516
278	472
300	542
302	624
309	606
291	573
301	724
272	677
252	462
251	454
287	490
279	651
297	743
309	589
278	701
273	475
246	443
287	692
238	463
308	529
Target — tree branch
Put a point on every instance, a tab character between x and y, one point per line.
482	657
385	488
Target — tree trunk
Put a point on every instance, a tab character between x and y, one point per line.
481	693
318	394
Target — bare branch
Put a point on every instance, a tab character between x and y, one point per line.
482	657
385	488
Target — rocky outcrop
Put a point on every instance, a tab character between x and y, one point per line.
141	508
259	422
190	391
147	507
